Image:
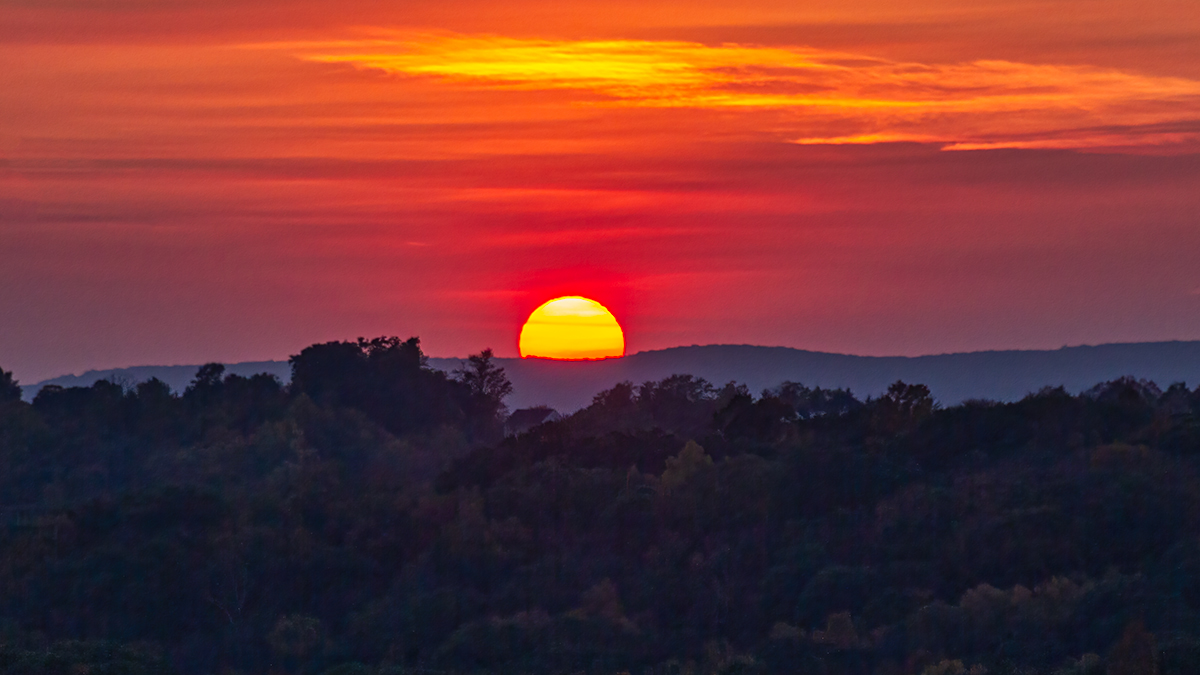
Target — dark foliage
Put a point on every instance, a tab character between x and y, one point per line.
10	389
385	378
367	519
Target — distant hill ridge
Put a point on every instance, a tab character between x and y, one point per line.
997	375
176	377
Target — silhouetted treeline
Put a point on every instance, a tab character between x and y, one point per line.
369	518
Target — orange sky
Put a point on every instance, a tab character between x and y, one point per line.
186	181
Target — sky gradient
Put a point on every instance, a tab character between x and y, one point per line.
187	181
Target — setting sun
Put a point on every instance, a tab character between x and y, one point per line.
572	328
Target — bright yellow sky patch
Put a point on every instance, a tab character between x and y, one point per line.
835	97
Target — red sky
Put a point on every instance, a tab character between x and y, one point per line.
185	181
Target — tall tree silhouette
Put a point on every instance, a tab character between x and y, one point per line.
487	386
10	390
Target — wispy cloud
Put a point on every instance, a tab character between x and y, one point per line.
826	97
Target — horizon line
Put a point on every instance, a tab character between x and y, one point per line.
663	349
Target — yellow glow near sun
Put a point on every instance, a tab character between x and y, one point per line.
572	328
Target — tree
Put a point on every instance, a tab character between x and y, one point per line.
487	382
817	402
911	401
839	632
208	376
329	373
614	409
295	636
763	420
680	404
902	408
1135	653
9	389
386	378
486	387
690	460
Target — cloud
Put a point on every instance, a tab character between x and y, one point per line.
824	97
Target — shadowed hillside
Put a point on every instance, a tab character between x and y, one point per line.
370	518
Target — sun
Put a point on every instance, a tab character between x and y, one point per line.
572	328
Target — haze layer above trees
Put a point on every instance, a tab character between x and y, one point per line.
369	517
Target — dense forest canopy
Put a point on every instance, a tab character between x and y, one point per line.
371	518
